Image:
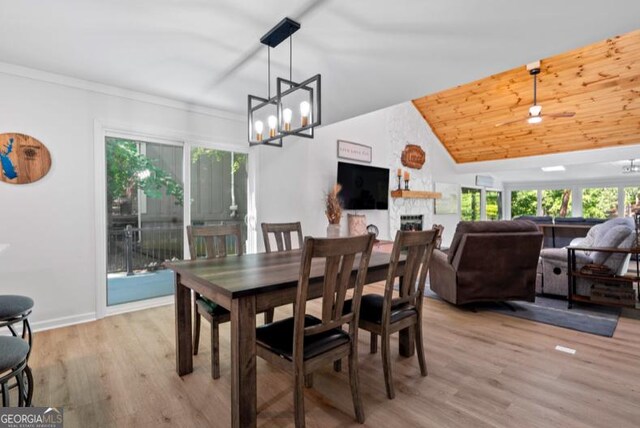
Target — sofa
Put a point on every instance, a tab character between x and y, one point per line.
617	232
488	261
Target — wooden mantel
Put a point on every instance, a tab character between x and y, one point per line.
415	194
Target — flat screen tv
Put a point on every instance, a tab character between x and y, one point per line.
363	187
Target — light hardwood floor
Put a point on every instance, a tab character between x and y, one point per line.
485	370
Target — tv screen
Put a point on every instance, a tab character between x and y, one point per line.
363	187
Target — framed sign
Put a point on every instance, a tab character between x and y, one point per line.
413	156
23	159
449	202
354	151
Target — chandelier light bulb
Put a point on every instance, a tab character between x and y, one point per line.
305	109
286	116
273	122
259	126
534	119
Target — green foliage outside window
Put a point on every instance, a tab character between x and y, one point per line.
631	200
556	203
524	202
494	205
600	202
129	170
470	203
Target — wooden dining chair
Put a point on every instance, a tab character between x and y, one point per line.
282	233
303	343
215	245
385	315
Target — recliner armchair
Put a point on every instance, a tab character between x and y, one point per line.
617	233
488	261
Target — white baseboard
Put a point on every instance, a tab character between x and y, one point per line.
63	321
91	316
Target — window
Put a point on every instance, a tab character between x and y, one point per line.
600	202
524	202
556	203
631	200
470	204
494	204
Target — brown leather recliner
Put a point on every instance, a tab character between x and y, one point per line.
488	261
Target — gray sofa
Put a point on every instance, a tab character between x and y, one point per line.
552	271
488	261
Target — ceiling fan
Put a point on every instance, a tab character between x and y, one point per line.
535	111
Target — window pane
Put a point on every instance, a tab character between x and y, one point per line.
600	202
494	205
524	202
470	204
631	200
556	203
218	191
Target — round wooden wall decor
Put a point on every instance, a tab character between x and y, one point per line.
413	156
23	159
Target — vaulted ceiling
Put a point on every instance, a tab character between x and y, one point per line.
371	53
599	82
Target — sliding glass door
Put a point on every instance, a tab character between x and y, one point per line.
145	200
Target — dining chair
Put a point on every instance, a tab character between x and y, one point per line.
282	233
303	343
385	315
215	245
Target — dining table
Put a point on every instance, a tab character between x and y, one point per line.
247	285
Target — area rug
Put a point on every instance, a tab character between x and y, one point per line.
599	320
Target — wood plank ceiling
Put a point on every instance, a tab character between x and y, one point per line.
599	82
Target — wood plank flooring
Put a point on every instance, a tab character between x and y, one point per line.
485	370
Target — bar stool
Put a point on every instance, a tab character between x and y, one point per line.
13	310
13	365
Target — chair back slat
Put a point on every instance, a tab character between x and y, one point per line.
282	234
215	239
418	247
339	256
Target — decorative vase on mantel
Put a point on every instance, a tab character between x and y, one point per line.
333	230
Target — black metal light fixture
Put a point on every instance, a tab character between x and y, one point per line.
295	109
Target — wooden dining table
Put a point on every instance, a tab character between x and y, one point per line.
247	285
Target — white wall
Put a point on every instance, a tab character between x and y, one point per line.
304	169
50	224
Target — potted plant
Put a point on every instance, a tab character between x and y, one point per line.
333	211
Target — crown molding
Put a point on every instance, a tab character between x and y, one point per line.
114	91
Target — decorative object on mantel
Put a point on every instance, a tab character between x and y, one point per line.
354	151
333	211
415	194
23	159
277	110
449	202
399	174
357	224
372	228
413	156
406	180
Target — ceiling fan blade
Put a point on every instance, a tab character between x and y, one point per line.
510	122
563	114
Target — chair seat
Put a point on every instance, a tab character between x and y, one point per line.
371	309
278	338
13	306
13	351
212	308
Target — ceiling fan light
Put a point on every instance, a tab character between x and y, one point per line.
534	119
535	110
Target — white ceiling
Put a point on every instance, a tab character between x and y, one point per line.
371	53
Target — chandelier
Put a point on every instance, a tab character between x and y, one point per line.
631	168
295	108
